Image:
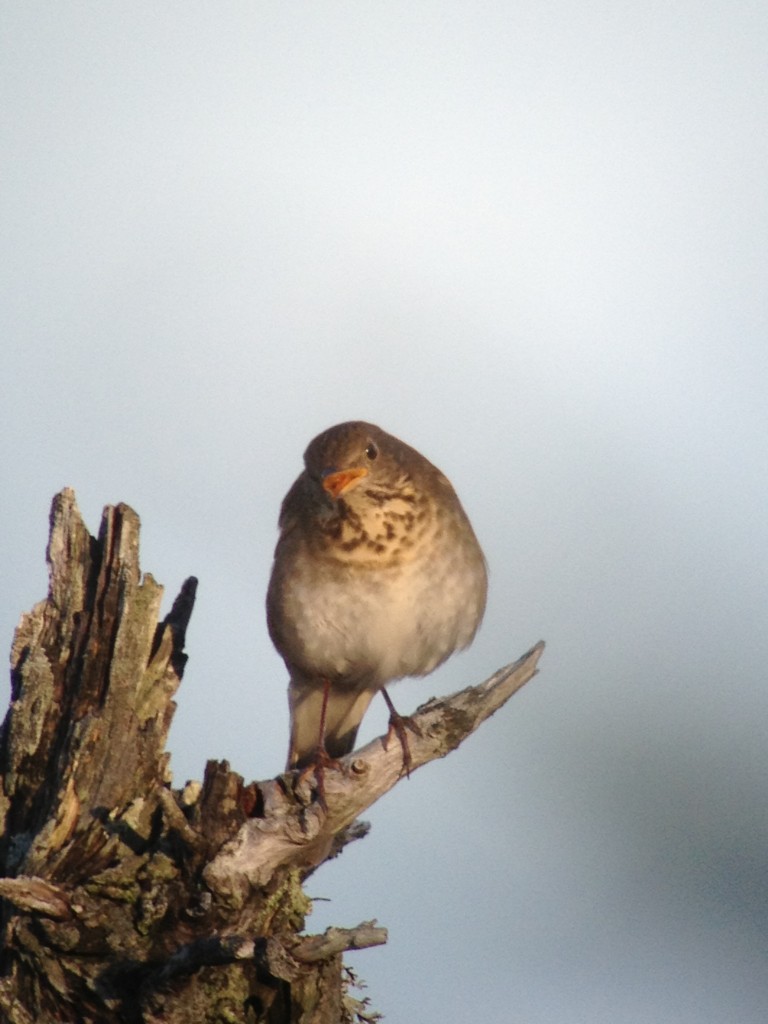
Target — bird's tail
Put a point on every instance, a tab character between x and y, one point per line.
343	714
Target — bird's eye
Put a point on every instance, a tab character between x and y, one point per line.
371	451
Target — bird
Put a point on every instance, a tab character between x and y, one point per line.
377	576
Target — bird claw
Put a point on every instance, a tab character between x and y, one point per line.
397	727
321	761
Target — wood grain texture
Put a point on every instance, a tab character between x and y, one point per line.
126	900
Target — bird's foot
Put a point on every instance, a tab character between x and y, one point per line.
398	724
321	760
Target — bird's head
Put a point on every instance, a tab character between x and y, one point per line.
349	455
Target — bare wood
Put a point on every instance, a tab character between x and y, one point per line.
299	831
338	940
37	895
124	899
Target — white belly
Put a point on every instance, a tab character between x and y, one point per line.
373	626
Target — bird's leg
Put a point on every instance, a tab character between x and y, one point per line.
321	759
397	725
323	716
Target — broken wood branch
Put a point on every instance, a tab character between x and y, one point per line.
125	900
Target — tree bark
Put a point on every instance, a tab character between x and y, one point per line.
125	900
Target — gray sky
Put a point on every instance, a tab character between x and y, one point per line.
532	241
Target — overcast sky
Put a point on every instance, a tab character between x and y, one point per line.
531	240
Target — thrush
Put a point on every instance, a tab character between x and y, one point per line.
377	576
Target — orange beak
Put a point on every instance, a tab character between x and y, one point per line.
341	481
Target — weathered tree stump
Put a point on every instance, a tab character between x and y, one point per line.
125	900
